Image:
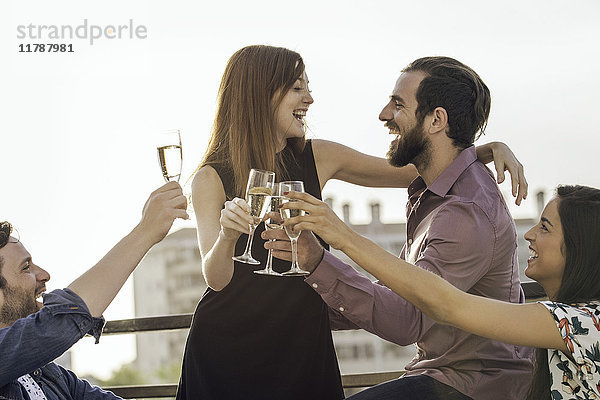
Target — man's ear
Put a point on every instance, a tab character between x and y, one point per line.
438	121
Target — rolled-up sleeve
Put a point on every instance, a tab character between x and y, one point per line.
34	341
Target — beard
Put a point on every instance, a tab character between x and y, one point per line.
412	147
18	303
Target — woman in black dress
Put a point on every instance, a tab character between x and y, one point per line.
256	336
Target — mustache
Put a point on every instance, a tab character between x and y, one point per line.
40	289
391	125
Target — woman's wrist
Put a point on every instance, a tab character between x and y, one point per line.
228	237
485	152
348	239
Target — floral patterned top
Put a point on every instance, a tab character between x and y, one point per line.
580	328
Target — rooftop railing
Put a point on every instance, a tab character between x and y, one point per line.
533	292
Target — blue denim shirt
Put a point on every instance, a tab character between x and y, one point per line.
30	344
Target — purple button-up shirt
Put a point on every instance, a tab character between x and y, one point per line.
459	228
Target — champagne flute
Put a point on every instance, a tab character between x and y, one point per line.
296	186
258	196
272	223
170	157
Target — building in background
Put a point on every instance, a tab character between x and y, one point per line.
65	360
170	281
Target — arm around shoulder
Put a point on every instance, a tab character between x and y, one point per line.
505	160
336	161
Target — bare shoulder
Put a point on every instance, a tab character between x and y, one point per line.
206	176
208	184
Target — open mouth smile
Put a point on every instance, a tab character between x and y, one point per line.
533	255
299	115
38	296
394	130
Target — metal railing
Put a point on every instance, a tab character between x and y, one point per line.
533	291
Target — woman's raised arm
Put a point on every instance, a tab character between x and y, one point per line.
336	161
519	324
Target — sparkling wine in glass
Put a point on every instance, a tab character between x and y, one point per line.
258	196
170	157
288	186
273	222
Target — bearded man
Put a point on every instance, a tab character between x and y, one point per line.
33	334
458	226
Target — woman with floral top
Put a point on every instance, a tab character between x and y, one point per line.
564	250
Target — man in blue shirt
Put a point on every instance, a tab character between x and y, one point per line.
33	334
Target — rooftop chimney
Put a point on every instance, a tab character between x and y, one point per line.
375	213
540	202
346	210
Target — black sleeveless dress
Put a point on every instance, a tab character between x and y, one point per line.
262	337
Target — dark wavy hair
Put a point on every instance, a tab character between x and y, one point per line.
579	211
5	231
459	90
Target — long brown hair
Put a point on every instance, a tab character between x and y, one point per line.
579	212
243	136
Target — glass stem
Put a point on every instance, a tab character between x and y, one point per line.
294	252
250	238
270	259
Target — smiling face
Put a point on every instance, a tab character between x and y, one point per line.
23	282
411	144
546	263
289	115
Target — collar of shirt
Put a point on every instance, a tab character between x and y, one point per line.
443	183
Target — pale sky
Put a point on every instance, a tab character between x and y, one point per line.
76	129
